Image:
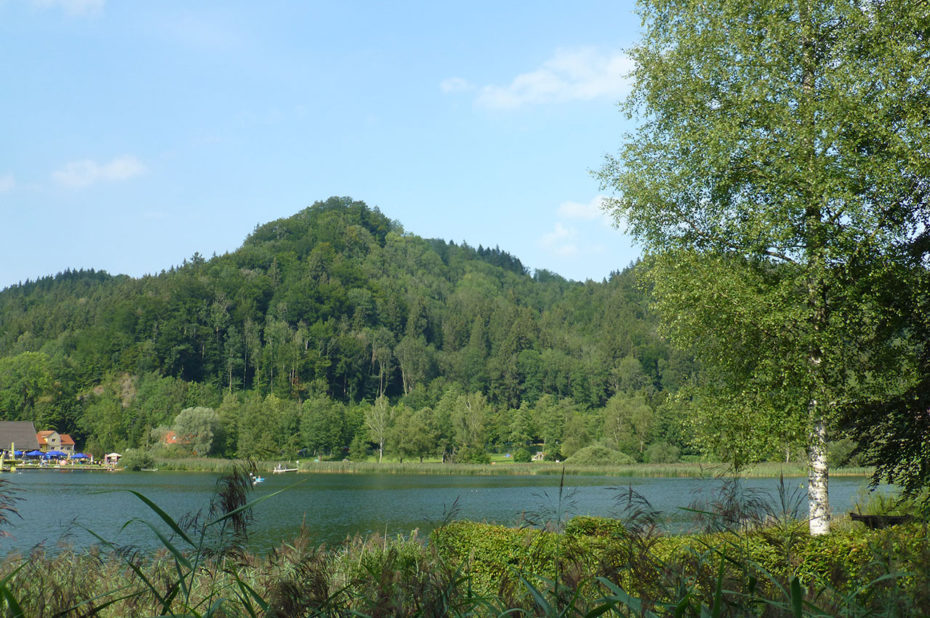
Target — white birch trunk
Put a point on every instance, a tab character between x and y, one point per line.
818	479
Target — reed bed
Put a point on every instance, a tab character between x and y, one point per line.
198	464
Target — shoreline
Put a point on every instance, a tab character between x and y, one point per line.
678	470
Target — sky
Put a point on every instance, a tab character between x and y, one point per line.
137	134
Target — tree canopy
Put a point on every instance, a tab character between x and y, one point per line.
779	177
293	338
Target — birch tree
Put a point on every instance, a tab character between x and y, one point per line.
778	174
378	420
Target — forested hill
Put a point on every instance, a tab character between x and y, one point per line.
335	303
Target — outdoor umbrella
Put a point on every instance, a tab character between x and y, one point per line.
17	453
79	456
35	453
55	453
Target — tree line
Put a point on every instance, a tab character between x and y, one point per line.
322	317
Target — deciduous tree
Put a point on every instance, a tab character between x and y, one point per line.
779	171
198	428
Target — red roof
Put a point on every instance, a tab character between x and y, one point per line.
42	436
67	440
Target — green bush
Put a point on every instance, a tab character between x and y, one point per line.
840	453
358	449
595	526
473	456
661	452
491	553
599	455
136	459
522	455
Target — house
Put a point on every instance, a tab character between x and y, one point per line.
50	440
171	438
21	434
67	444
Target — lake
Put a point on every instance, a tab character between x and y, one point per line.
59	506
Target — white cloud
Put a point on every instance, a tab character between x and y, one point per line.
570	241
7	182
561	240
455	84
591	211
73	7
80	174
570	75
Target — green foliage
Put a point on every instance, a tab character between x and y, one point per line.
198	429
496	555
267	428
661	452
24	380
843	452
845	573
135	459
595	526
358	451
600	455
472	455
522	455
628	423
325	310
779	179
415	432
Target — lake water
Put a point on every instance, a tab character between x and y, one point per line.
60	506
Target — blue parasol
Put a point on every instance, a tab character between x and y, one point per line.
17	453
55	453
79	456
35	453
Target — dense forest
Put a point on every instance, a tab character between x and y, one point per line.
336	333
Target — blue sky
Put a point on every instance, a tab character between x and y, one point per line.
136	134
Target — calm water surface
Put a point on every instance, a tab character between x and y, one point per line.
60	506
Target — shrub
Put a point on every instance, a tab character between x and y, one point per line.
136	459
472	455
662	452
599	455
495	555
358	450
522	455
595	526
842	453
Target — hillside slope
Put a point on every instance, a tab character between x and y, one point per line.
337	301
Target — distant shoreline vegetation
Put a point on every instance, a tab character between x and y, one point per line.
677	470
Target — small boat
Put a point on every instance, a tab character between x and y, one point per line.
280	469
